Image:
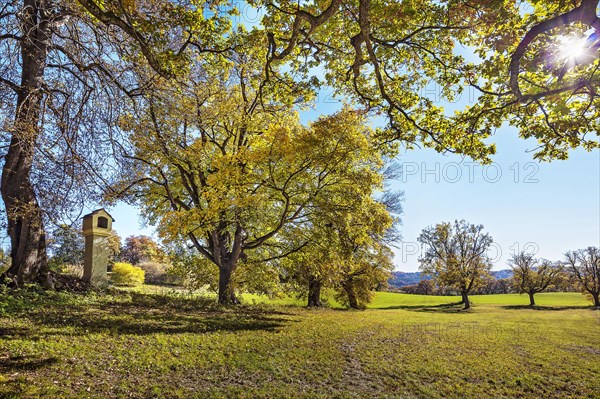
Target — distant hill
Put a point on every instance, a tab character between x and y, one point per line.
500	274
402	279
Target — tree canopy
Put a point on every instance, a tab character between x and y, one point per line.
585	266
455	255
531	275
221	160
69	70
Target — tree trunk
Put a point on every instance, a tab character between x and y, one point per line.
352	300
314	292
465	300
25	222
226	289
531	300
596	297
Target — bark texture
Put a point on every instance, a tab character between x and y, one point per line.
351	294
226	290
314	292
25	221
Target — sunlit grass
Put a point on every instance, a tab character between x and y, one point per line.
182	345
389	299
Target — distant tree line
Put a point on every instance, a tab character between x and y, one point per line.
493	286
455	257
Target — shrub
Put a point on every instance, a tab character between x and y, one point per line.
126	274
157	273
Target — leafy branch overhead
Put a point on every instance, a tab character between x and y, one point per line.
89	88
389	56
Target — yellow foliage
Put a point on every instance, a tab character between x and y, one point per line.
127	275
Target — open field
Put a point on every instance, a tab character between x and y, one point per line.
142	345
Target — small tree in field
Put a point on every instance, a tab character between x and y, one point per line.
531	275
344	245
585	266
456	256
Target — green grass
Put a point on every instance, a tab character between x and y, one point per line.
179	345
389	300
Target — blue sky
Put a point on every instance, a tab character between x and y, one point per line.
548	208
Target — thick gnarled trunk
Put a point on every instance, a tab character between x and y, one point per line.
351	294
596	298
25	221
226	289
29	262
314	292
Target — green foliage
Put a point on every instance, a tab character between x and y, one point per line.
456	255
66	245
4	260
194	270
409	67
126	274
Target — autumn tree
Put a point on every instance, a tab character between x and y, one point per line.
223	162
344	251
346	240
531	64
455	255
139	249
364	259
585	266
531	275
367	268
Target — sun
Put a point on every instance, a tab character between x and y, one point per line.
572	48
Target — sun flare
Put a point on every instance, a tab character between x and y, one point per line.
572	48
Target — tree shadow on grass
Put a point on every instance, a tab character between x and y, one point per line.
454	307
119	320
24	363
13	332
538	307
147	314
15	385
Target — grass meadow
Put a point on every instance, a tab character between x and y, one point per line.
159	344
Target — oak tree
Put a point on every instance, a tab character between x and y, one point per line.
531	275
532	64
585	266
221	160
64	73
455	255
